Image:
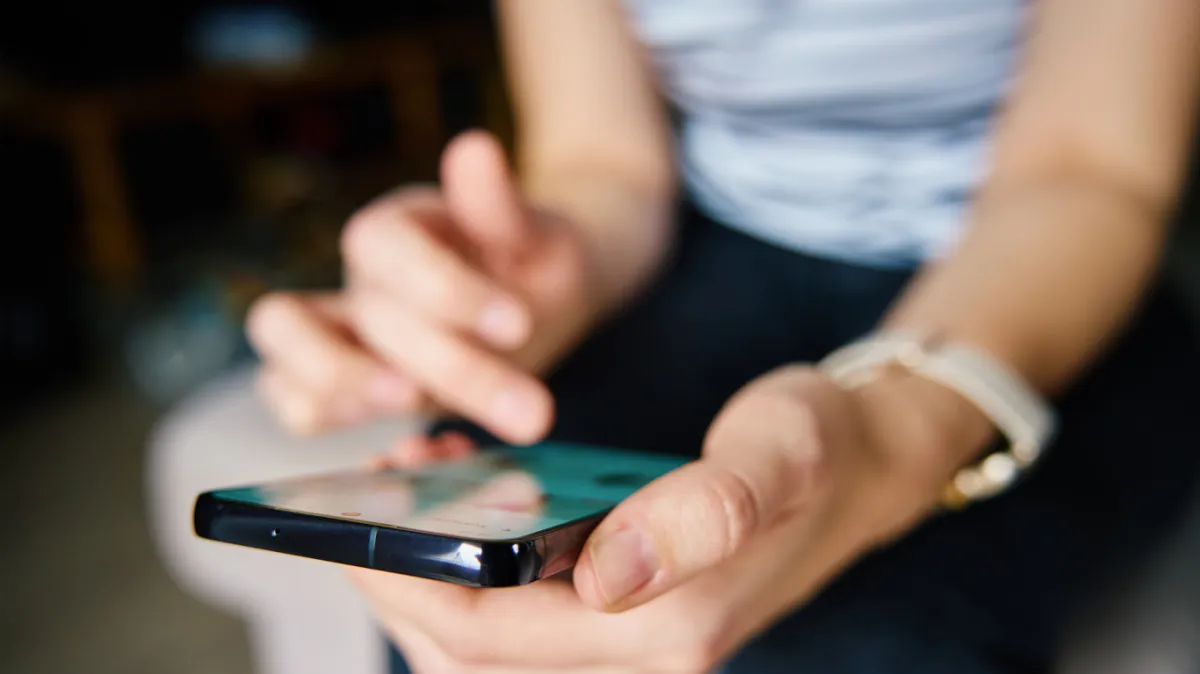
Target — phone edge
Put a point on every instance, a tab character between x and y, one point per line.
501	563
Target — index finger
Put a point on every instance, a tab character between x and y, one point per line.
392	245
475	382
483	197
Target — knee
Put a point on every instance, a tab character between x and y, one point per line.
193	448
222	436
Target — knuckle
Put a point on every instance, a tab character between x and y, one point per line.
448	287
491	382
731	497
269	314
804	426
380	322
326	373
366	307
361	232
364	229
802	441
301	415
468	375
439	288
465	374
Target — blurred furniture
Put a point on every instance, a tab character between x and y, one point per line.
88	124
302	615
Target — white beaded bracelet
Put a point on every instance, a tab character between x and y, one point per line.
1018	412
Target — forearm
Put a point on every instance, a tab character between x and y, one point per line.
1047	274
593	137
1086	161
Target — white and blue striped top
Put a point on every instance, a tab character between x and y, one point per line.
851	129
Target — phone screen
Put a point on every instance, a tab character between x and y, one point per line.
498	494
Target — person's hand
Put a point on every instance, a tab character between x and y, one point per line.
455	298
798	478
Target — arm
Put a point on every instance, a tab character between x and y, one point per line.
799	477
1062	241
593	141
459	298
1069	227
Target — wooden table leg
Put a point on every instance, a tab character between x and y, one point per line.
110	236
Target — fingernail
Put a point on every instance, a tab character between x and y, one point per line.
623	562
391	390
502	322
516	409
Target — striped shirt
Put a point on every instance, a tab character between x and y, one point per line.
850	129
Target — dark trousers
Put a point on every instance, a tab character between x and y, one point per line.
987	590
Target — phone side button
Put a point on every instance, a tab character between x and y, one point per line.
371	547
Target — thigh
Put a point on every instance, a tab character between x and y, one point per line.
869	637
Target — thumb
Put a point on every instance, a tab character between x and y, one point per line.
684	523
482	195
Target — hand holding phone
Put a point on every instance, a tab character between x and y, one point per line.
504	516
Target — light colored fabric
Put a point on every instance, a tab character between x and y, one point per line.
303	615
852	129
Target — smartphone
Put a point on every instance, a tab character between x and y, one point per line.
502	517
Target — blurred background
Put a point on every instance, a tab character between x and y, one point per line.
164	164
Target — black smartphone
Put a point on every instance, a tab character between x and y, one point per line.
502	517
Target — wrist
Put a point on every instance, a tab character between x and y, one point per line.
623	228
572	296
927	429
